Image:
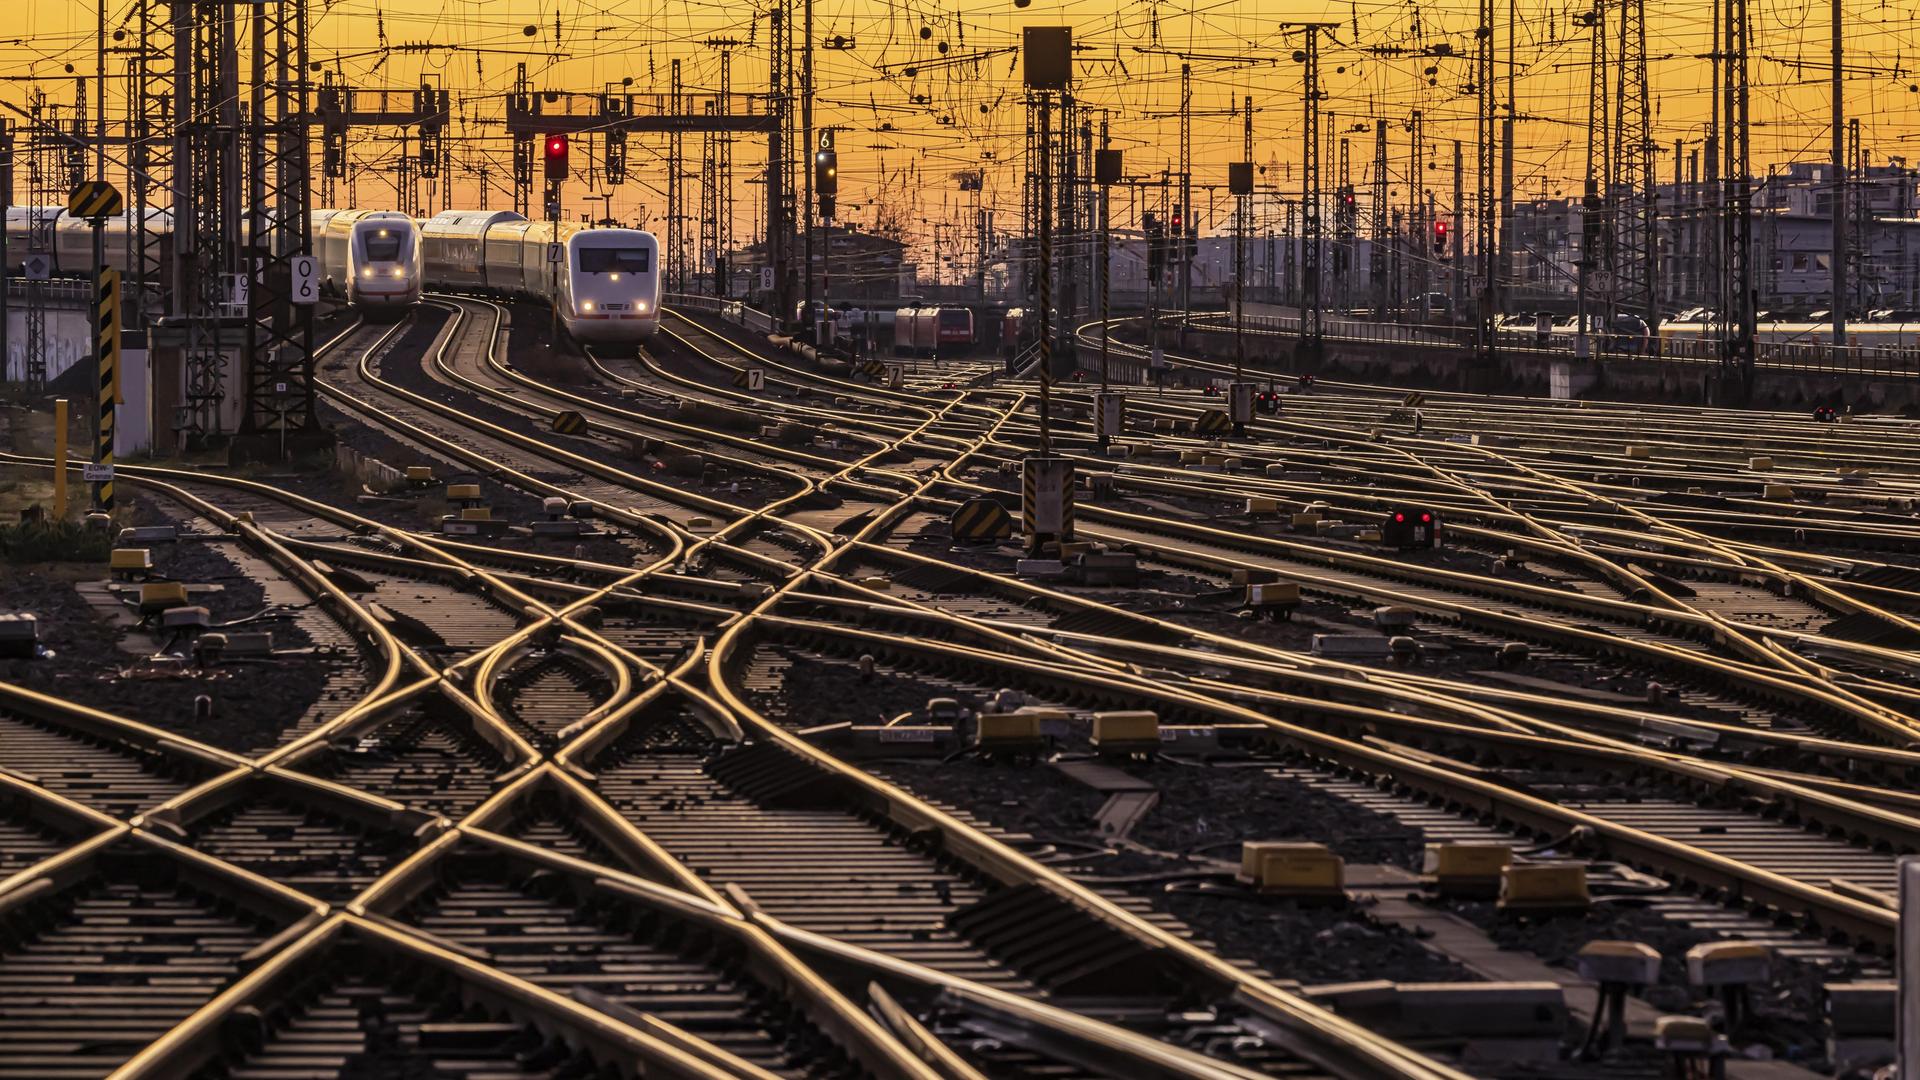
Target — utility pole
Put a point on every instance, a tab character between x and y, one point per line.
1485	347
1187	218
676	193
1377	236
1636	236
1312	331
1421	220
1738	349
1838	276
806	140
1109	408
1459	232
1596	223
1240	184
1503	281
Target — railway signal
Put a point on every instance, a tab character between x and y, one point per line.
556	157
826	174
1440	238
1156	247
1411	527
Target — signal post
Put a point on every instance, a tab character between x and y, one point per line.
1046	489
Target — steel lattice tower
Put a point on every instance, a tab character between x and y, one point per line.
1636	225
1484	193
1312	330
279	338
1377	235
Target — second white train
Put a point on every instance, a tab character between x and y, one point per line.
603	283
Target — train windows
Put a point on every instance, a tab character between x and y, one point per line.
610	260
383	246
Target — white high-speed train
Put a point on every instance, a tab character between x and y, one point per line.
370	257
603	283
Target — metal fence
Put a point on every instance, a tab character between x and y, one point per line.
1882	361
733	311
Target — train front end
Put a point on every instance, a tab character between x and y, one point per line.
384	269
612	295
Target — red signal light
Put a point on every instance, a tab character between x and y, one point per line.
1399	519
556	157
1425	518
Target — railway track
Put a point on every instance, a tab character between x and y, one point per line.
367	836
604	793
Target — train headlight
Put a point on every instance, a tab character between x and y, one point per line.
640	306
586	305
613	277
366	272
397	272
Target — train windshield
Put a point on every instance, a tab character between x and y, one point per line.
383	246
956	320
612	260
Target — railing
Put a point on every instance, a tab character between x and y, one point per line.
734	311
1676	343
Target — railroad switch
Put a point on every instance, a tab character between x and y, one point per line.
1731	968
1126	734
1692	1042
1619	967
1544	888
148	534
19	636
1465	870
1862	1021
420	476
156	597
1109	414
130	564
1100	567
209	648
1273	600
1394	617
473	521
187	622
1011	734
1300	870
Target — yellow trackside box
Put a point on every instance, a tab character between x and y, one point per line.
1637	452
1759	464
419	474
130	561
1466	868
1306	522
1258	505
1126	731
1288	868
476	513
1008	731
463	492
1776	492
1544	887
159	596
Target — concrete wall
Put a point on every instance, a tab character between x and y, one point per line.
1533	375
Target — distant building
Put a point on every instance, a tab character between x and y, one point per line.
858	266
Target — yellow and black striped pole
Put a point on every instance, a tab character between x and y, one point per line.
107	346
